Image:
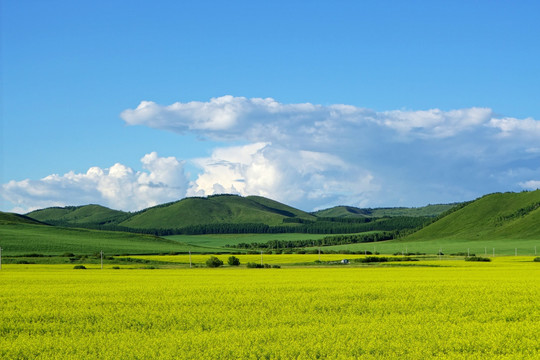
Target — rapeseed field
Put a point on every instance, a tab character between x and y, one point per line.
456	311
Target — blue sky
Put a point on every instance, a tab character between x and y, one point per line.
373	103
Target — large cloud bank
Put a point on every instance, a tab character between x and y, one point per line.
312	156
119	186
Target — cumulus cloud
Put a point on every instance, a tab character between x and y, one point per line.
406	154
509	126
258	119
284	175
119	186
530	184
311	156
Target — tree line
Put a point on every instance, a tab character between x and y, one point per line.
321	226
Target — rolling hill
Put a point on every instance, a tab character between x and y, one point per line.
20	235
353	212
218	209
10	219
495	216
79	215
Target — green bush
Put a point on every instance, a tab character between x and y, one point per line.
537	259
24	262
214	262
477	258
463	254
79	267
262	266
371	259
233	261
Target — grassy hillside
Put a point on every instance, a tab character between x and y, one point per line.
10	218
20	235
495	216
79	215
352	212
214	210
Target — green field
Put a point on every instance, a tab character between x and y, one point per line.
447	246
461	310
220	240
19	239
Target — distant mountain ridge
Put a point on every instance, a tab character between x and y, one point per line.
215	209
499	216
351	211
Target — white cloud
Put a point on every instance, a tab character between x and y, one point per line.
509	126
293	177
434	123
530	184
258	119
119	186
412	155
311	156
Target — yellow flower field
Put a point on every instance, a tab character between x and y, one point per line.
459	311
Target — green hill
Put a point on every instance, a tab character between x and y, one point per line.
354	212
79	215
10	219
218	209
21	235
494	216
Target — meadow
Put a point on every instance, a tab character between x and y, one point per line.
220	240
448	246
19	239
454	309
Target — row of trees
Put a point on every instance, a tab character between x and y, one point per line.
321	226
326	241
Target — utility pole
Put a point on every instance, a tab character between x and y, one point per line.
190	259
0	258
101	253
261	258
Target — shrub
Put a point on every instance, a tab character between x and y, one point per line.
254	265
463	254
477	258
370	259
68	254
537	259
276	267
82	267
213	262
233	261
116	267
24	262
